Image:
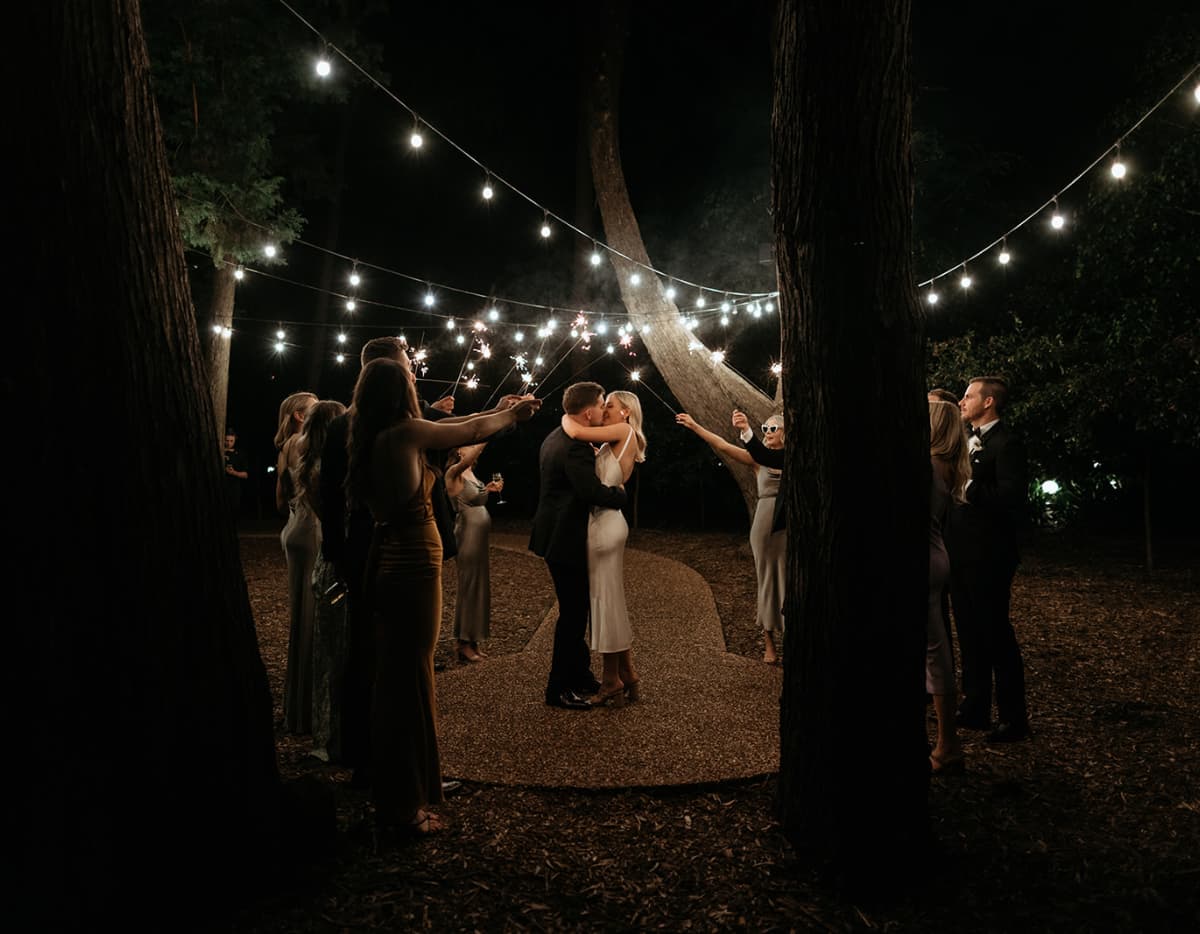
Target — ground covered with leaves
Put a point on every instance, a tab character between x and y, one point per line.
1092	825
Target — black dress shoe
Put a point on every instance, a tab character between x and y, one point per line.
1009	732
569	700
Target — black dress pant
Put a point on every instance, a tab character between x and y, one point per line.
571	664
980	593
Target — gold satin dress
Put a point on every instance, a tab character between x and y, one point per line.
404	581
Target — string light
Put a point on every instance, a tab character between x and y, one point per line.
1118	167
416	140
538	361
1196	93
519	336
460	339
350	304
718	356
269	251
279	347
608	349
776	369
227	333
601	327
323	66
341	358
355	278
494	314
932	297
216	329
1057	221
429	299
239	274
700	300
635	375
595	257
488	191
635	278
966	279
769	306
670	292
724	321
341	338
545	231
280	334
449	323
1005	257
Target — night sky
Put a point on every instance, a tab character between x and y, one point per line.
1034	86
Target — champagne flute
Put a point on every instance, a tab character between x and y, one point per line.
498	477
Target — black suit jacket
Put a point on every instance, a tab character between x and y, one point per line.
984	529
569	489
765	457
334	521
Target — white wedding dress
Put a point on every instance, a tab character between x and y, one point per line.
607	532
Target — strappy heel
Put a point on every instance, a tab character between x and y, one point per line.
613	697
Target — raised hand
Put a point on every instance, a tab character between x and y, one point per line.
686	421
444	404
526	408
740	422
509	400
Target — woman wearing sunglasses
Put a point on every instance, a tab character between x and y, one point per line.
769	547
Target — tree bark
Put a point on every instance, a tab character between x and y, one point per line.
708	391
220	313
1146	528
142	705
857	473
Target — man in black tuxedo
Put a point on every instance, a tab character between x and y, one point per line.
981	538
345	543
569	489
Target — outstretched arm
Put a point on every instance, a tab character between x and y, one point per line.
755	448
449	433
715	441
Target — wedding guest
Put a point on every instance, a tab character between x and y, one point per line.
237	472
982	541
388	473
347	540
951	468
769	547
473	604
943	395
300	539
329	612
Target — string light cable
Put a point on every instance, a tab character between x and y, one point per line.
492	177
1057	220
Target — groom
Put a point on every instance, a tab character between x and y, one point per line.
569	489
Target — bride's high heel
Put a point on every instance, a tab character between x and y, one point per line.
613	697
633	689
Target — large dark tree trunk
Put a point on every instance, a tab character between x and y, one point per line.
854	767
144	731
708	391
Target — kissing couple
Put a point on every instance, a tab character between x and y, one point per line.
580	532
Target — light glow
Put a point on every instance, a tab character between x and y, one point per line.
351	304
355	279
1050	487
932	298
239	274
323	67
635	278
341	338
270	250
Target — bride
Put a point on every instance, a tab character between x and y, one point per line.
623	445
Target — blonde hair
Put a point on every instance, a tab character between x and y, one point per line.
948	443
628	400
288	408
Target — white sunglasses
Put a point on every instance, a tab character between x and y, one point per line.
771	429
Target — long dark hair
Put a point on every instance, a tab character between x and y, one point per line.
312	441
383	395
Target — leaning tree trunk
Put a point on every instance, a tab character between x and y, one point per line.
708	391
853	758
146	722
220	313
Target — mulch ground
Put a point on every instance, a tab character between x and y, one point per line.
1093	825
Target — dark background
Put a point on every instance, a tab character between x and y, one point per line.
1011	102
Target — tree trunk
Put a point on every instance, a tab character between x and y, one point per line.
708	391
1146	514
319	353
220	313
146	719
858	508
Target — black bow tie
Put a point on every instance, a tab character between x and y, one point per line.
975	431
